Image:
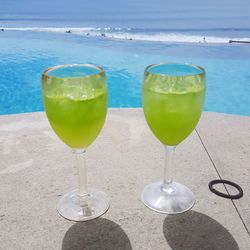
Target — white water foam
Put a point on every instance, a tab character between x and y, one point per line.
51	29
128	34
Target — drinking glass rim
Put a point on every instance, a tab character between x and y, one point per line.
203	72
46	71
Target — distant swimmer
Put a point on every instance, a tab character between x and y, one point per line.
204	39
103	34
68	31
2	29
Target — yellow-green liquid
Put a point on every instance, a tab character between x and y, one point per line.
172	116
76	122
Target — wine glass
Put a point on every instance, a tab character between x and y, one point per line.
173	95
75	100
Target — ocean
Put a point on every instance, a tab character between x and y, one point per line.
159	20
124	37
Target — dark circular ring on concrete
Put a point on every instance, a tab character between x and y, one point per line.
228	196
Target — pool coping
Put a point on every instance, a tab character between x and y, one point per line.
123	155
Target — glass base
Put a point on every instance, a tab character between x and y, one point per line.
82	208
173	198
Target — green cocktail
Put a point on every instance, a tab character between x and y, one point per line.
171	114
76	101
173	96
77	122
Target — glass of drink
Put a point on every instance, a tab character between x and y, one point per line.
76	100
173	96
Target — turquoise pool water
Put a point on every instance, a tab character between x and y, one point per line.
24	55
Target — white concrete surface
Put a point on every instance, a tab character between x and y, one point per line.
36	168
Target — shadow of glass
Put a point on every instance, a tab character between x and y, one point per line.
96	234
193	230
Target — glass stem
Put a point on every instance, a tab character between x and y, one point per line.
169	153
82	177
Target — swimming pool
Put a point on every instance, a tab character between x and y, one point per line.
24	55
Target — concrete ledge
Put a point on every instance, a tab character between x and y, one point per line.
36	168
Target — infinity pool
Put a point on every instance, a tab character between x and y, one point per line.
24	55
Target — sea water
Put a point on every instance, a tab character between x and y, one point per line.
124	37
